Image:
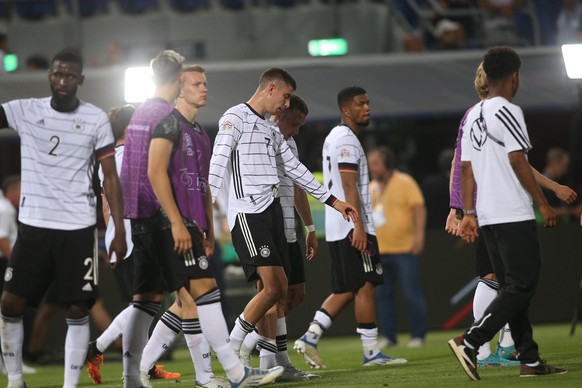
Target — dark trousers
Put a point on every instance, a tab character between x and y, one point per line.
514	249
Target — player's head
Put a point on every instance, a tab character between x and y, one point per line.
381	161
11	189
277	85
119	117
481	82
65	75
166	68
194	86
291	120
354	105
501	65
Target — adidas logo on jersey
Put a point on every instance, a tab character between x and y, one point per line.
87	287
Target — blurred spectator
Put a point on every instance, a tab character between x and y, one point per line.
450	35
468	22
37	62
569	23
499	21
435	188
115	55
399	215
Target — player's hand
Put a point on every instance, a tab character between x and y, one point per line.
117	249
549	214
347	210
182	238
359	239
310	246
453	224
469	229
208	244
566	194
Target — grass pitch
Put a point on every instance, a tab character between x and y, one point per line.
430	366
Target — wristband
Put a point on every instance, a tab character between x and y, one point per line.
470	212
310	228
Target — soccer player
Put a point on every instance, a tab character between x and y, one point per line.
61	137
244	164
119	117
487	287
182	315
356	268
289	121
495	142
166	194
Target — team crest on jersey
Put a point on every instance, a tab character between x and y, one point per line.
227	126
265	251
78	126
478	134
8	274
345	153
379	269
203	262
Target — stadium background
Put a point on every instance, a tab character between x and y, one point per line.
417	101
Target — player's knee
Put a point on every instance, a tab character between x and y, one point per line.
12	305
274	292
77	310
295	297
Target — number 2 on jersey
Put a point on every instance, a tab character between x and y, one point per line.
57	141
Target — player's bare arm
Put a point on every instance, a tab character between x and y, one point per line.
564	193
524	173
209	238
304	211
350	185
158	161
112	189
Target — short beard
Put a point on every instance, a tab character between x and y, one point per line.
63	101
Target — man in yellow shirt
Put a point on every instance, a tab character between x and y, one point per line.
399	215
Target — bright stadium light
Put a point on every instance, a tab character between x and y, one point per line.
138	84
572	54
327	47
10	62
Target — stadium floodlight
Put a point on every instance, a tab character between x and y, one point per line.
327	47
572	54
139	85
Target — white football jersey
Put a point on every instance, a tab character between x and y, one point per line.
494	128
58	153
244	163
110	231
342	151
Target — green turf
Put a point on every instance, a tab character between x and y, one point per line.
430	366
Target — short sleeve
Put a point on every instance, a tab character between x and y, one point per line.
168	128
14	111
348	154
515	136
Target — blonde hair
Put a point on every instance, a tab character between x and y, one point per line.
481	82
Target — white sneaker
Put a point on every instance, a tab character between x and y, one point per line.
309	352
145	380
215	382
